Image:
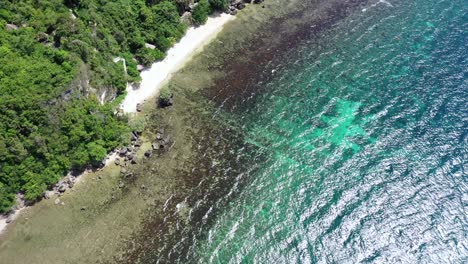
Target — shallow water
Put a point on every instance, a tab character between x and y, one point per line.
362	134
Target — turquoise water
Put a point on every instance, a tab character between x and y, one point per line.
364	128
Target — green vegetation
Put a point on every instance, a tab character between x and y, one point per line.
165	96
52	53
201	12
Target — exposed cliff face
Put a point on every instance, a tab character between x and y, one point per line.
80	86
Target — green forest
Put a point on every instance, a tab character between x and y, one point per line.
51	53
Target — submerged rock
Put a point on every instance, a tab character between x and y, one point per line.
155	146
148	153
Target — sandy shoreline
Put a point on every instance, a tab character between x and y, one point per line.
154	77
157	74
3	219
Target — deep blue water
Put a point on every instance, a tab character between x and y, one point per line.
365	132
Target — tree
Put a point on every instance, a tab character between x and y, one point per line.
220	5
200	12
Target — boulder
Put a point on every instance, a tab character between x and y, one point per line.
11	27
137	143
135	136
48	194
134	160
121	185
123	151
123	170
186	18
117	162
155	146
139	107
70	180
42	37
233	12
240	6
159	136
62	187
57	201
148	153
150	46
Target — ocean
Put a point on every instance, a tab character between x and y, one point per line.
353	132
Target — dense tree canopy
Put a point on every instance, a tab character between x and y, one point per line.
51	53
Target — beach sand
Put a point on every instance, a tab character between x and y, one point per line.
154	77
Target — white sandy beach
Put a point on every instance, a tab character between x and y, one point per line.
154	77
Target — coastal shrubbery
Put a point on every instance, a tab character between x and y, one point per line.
165	96
201	11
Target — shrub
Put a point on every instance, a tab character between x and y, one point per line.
220	5
200	12
165	96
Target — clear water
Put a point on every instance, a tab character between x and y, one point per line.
365	132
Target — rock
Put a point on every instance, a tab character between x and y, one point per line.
233	12
71	181
139	107
62	187
130	156
140	67
48	194
155	146
191	6
11	27
166	140
121	185
142	187
57	201
166	100
135	136
148	153
134	160
240	6
186	18
123	170
117	162
150	46
10	218
258	1
137	143
42	37
159	136
83	208
123	151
